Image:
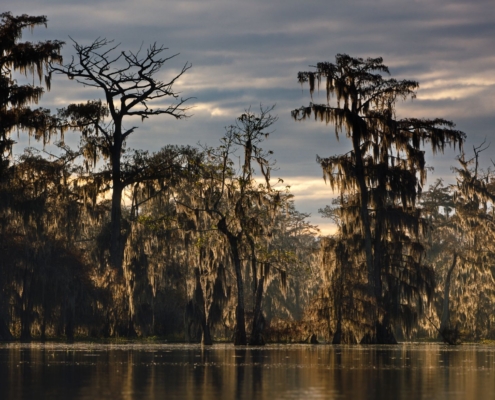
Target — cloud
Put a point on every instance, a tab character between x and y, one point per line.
248	52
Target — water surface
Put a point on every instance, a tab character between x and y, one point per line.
171	371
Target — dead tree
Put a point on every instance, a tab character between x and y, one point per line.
130	88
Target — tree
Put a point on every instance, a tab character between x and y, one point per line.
343	302
24	58
131	89
156	177
293	258
461	248
382	177
15	113
44	273
437	205
241	208
238	218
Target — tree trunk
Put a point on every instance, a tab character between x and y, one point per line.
337	336
116	250
364	198
200	305
382	334
116	253
448	334
44	313
26	309
25	325
43	328
240	338
444	324
69	320
192	330
240	326
5	334
256	338
131	331
206	338
338	290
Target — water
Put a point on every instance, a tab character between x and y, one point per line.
165	371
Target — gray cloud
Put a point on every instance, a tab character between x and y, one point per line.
249	52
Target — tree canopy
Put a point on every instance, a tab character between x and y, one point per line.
379	181
130	88
15	100
201	243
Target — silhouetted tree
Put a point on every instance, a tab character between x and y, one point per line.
46	277
131	89
382	176
15	99
241	208
23	58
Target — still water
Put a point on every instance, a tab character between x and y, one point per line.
166	371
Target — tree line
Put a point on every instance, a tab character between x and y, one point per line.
188	243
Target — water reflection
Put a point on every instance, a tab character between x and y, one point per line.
134	371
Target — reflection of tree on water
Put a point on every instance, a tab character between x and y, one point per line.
240	367
222	372
214	374
257	360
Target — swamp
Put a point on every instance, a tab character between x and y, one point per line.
179	371
188	272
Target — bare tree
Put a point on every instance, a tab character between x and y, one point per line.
131	88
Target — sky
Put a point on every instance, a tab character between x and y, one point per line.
247	53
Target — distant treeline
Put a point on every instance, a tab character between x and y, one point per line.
187	244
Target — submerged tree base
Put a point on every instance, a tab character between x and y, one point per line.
451	336
383	335
5	335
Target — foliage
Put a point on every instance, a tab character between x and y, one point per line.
15	112
379	181
130	87
202	243
461	249
15	99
